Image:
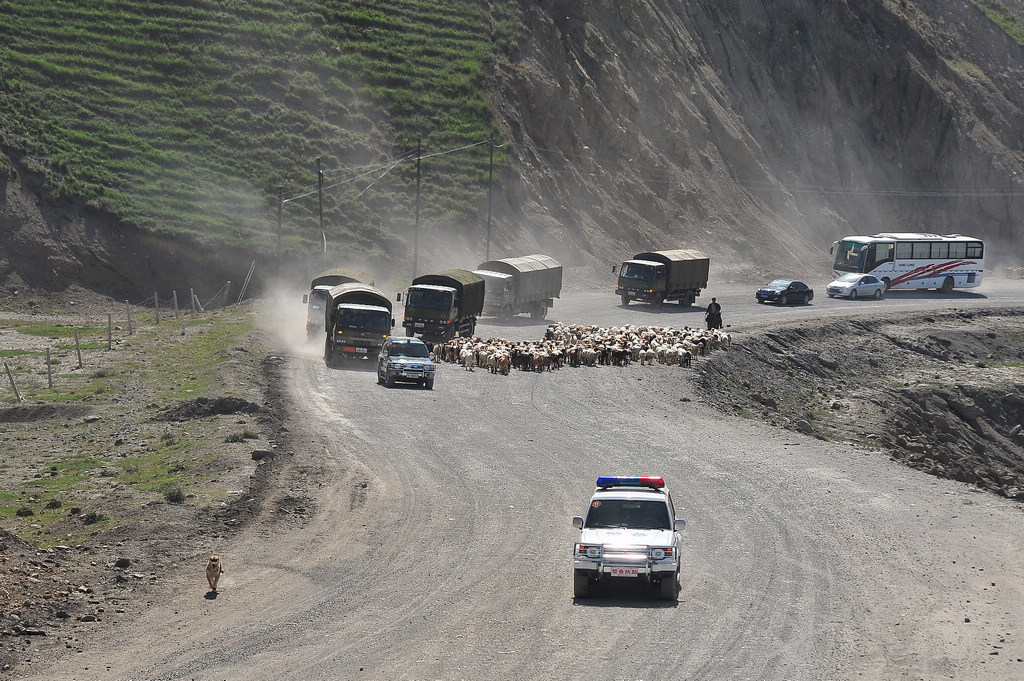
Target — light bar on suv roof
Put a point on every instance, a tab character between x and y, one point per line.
652	481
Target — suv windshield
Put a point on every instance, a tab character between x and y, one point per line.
408	350
634	514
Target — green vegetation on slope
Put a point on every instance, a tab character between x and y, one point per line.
187	117
1001	14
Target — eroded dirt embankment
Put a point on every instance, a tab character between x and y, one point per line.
943	393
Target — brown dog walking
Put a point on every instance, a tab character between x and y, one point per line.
214	569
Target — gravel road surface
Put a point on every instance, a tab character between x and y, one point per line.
440	543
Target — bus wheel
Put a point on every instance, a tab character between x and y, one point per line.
947	285
887	282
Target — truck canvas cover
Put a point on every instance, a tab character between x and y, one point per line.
684	266
469	285
537	275
341	275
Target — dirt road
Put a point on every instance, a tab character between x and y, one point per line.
438	546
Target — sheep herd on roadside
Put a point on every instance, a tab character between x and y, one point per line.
579	345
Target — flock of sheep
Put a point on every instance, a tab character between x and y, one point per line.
580	345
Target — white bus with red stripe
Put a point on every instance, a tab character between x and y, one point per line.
906	260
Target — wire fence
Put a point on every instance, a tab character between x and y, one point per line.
36	357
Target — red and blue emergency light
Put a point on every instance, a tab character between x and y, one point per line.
652	481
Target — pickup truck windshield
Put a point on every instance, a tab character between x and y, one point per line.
637	515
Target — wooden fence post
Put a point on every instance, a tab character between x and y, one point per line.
128	309
175	299
17	395
110	326
156	301
78	348
49	370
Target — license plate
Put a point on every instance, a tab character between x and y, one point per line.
419	325
625	572
350	348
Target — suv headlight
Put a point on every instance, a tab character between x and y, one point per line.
588	550
665	553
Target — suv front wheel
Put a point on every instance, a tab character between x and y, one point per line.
668	588
580	584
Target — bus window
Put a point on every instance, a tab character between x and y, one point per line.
922	250
883	254
904	250
940	251
958	250
974	249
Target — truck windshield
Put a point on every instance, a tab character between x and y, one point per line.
317	300
430	299
376	321
634	514
633	270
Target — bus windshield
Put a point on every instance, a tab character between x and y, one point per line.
850	256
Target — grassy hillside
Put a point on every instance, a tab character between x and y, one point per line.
187	117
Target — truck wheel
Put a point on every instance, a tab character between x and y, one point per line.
506	314
580	584
624	299
687	300
428	384
668	585
540	311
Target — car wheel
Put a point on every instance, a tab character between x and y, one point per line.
853	294
783	299
878	294
760	301
580	584
809	298
831	295
668	590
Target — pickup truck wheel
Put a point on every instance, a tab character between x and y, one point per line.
624	299
668	588
580	584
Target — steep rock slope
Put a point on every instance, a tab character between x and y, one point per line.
761	131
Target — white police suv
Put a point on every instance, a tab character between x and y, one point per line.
630	531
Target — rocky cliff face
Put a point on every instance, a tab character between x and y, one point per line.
758	131
761	131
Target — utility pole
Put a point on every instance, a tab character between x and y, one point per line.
280	207
320	198
490	177
416	230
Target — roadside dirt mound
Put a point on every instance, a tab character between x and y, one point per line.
209	406
40	412
941	393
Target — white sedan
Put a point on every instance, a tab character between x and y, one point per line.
853	285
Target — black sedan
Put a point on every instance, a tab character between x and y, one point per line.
784	292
